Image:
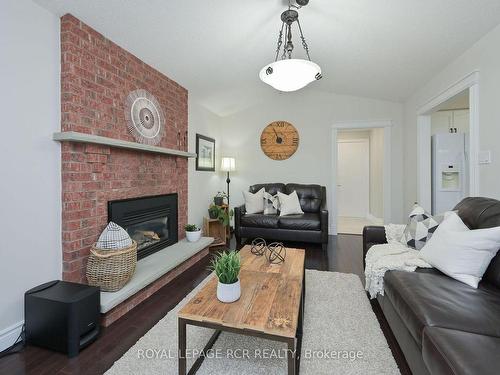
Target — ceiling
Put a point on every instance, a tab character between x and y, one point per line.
382	49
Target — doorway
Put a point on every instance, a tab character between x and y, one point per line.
450	153
353	182
361	175
353	177
434	118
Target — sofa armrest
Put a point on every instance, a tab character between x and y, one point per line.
372	235
323	216
323	199
239	211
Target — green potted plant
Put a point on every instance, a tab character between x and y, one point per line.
226	266
225	216
219	198
213	211
218	212
193	232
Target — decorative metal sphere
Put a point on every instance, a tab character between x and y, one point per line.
276	253
258	246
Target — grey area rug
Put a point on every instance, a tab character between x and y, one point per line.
341	336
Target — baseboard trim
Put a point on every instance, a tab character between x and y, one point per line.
9	335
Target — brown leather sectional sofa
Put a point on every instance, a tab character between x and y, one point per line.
442	325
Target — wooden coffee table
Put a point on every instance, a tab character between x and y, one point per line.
271	306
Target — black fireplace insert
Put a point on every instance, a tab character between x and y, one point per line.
150	221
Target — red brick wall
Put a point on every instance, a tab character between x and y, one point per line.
96	77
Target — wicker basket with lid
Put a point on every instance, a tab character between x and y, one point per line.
109	266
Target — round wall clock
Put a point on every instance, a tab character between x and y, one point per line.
279	140
145	119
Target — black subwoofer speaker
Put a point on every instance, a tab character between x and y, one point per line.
62	316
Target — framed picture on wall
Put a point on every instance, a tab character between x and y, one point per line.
205	151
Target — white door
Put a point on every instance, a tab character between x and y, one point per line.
353	178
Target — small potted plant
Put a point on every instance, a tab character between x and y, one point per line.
224	216
219	198
193	232
221	213
226	266
213	211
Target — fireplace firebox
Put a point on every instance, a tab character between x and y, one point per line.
150	221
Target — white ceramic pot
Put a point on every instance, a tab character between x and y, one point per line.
228	292
193	236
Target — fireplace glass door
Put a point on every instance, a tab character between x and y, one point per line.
150	221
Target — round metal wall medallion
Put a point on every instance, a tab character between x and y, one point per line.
145	118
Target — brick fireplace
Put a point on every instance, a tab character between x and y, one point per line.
96	77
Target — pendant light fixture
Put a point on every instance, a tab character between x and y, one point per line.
287	73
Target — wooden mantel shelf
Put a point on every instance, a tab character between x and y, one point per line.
96	139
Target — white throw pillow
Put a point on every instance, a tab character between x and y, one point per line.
254	203
289	204
459	252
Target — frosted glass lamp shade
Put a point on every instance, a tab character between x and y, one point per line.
228	165
290	74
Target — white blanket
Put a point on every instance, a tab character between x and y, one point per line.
393	255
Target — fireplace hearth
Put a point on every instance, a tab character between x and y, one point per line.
150	221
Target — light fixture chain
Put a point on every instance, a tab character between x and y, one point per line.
280	41
304	43
289	44
283	55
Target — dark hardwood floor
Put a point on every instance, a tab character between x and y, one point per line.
344	255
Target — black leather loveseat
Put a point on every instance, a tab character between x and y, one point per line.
442	325
311	226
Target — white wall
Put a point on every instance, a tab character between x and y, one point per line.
377	172
30	189
313	113
485	57
202	185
